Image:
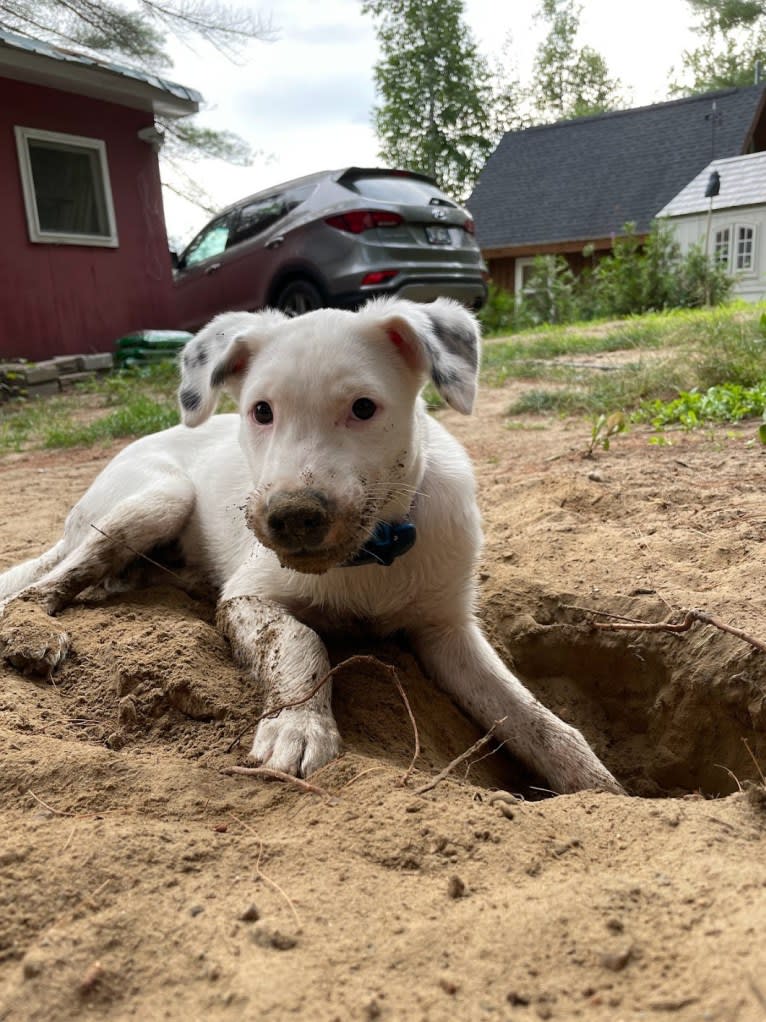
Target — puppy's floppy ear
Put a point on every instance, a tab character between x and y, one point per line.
218	357
441	339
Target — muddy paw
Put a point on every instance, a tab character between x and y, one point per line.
30	641
298	741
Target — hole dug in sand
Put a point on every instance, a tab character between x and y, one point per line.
669	714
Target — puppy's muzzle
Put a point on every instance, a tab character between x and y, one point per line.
299	521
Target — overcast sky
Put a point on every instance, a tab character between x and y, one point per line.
303	101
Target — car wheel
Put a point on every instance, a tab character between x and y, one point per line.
298	297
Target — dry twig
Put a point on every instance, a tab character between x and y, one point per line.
145	557
44	804
299	702
675	628
408	772
74	816
362	773
262	876
460	759
348	662
277	775
757	993
755	761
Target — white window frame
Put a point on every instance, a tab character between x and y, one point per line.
47	237
744	271
520	265
725	263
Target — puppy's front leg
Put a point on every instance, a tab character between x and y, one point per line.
460	659
286	659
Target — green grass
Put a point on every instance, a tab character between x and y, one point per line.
127	403
677	357
696	350
137	417
648	332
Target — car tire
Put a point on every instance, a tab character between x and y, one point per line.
299	297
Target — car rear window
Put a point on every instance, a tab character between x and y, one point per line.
409	190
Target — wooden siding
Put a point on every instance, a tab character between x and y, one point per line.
502	262
62	299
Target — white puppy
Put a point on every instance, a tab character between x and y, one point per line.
332	498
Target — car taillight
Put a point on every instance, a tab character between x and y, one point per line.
357	221
469	226
378	277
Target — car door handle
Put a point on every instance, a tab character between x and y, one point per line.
275	242
212	269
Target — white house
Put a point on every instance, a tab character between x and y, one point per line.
730	226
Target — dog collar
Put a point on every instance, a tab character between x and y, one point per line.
386	544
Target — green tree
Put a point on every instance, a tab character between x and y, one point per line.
732	37
139	35
509	106
730	14
434	89
569	81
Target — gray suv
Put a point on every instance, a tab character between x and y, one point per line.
334	238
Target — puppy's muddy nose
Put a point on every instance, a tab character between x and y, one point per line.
298	520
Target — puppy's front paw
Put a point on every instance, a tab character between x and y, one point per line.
29	639
298	741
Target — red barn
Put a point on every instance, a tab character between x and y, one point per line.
84	251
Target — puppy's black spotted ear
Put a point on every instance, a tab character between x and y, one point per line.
217	358
441	339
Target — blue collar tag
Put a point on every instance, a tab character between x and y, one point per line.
386	544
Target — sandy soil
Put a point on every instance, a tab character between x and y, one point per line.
139	882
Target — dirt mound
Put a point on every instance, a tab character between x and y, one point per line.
141	882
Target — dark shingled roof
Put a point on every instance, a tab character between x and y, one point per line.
586	178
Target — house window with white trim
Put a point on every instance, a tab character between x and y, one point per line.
721	247
744	252
523	271
67	194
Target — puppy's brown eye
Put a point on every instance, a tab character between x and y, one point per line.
363	408
262	413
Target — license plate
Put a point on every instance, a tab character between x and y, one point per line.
438	236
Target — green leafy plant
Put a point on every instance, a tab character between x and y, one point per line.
550	293
639	275
498	314
726	402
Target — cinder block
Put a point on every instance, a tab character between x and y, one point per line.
98	362
38	372
68	381
66	363
10	367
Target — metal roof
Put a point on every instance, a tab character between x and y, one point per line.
42	63
743	183
585	178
